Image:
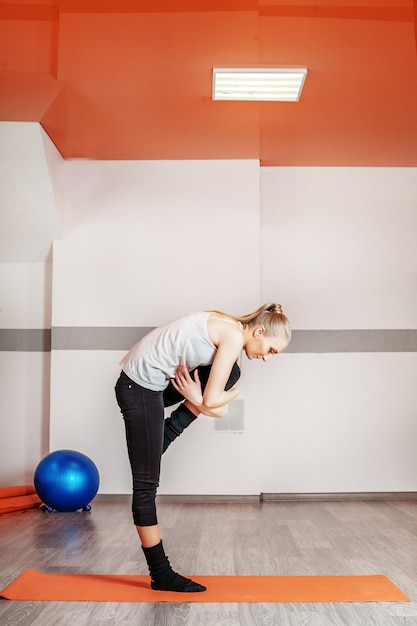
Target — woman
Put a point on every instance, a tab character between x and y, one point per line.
156	373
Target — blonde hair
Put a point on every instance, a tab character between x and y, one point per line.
269	315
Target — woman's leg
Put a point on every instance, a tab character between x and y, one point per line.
183	416
143	414
149	535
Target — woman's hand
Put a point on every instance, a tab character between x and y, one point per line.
188	387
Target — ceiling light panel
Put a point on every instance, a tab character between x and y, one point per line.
261	84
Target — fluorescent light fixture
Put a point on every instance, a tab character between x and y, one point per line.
274	84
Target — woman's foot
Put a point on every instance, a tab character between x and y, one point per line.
163	577
177	583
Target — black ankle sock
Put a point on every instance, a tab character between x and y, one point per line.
163	576
180	419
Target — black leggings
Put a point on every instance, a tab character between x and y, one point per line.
143	413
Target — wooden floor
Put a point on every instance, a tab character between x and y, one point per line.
292	538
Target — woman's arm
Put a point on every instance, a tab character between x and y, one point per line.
190	389
229	341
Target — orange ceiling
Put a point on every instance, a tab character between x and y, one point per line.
131	79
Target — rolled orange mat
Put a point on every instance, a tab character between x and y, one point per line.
20	490
19	503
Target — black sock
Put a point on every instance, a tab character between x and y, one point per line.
163	576
181	418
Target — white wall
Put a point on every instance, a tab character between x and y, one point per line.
25	295
29	219
339	248
340	244
144	243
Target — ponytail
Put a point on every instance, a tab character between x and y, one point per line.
270	316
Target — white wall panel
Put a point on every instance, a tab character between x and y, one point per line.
144	243
25	295
338	250
24	411
148	241
28	218
339	423
85	417
339	245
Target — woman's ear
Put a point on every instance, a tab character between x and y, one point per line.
259	331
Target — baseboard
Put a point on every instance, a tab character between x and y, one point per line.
117	498
184	499
342	496
265	497
209	499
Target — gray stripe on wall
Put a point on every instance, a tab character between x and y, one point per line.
123	338
25	340
96	338
314	341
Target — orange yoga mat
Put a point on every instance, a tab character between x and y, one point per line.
33	586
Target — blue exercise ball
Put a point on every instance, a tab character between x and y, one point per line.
66	480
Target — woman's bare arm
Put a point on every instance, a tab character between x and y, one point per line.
190	389
229	341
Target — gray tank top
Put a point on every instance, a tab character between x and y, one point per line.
153	360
